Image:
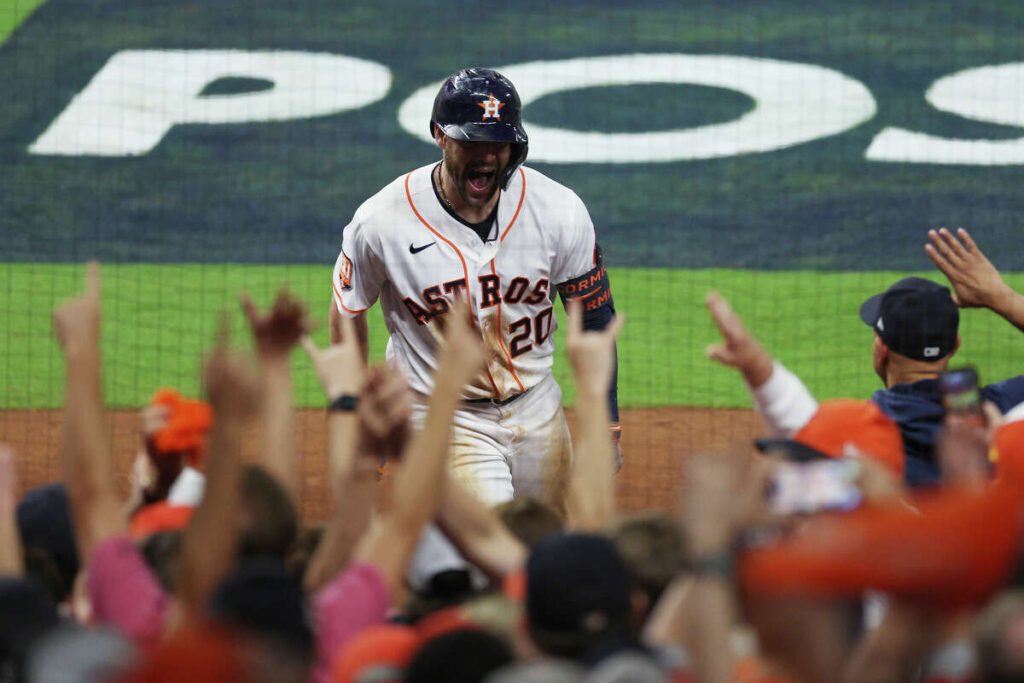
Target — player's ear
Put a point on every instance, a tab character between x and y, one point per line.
956	347
879	348
879	356
439	137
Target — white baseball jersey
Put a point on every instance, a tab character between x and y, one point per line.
404	248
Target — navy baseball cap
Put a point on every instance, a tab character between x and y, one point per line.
915	318
261	597
576	583
44	522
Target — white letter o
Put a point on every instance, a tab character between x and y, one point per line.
794	103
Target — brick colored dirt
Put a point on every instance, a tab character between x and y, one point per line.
655	441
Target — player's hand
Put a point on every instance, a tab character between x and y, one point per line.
228	379
461	353
591	353
339	367
279	330
739	349
976	282
78	319
385	406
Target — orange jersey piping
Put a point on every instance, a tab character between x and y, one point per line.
342	303
465	269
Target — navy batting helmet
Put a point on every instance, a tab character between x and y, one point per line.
481	105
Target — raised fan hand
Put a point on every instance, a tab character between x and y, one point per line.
739	348
591	353
385	406
339	367
228	378
461	353
724	492
78	319
280	329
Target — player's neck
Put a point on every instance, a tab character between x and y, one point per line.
453	199
903	370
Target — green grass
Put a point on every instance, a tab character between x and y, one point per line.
12	13
157	320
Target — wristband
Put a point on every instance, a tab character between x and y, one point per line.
345	403
718	564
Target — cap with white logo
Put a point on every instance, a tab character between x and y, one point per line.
921	320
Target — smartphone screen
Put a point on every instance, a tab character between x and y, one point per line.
816	486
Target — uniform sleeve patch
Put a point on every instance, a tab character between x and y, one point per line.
345	272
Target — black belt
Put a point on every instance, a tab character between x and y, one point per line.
495	401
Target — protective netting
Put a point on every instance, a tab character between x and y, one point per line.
791	155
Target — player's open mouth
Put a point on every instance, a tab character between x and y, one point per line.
479	181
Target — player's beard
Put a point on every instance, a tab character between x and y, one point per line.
460	181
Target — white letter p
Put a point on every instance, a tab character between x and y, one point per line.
139	95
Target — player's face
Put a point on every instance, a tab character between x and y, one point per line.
475	169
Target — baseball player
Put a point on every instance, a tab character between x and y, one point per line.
480	227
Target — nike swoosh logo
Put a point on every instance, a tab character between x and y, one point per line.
416	250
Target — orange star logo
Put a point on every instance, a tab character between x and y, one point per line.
491	107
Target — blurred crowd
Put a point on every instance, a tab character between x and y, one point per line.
873	540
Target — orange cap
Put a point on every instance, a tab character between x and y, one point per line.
381	653
161	516
950	548
1009	452
846	421
188	422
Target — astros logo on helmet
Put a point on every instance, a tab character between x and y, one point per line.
491	107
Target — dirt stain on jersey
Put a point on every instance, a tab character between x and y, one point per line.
557	462
498	364
463	458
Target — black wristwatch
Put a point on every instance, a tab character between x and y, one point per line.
346	403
